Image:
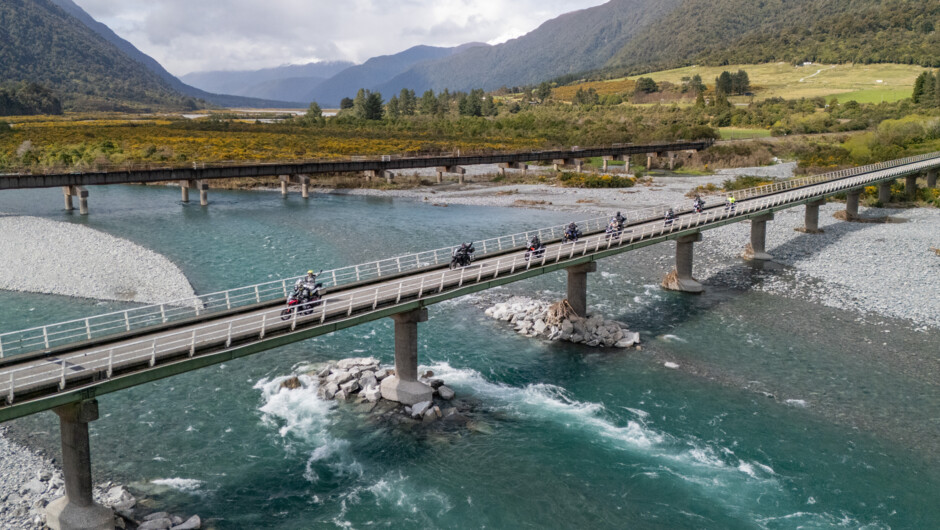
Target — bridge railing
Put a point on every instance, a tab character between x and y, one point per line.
336	306
100	326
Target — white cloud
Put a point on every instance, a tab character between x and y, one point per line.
186	36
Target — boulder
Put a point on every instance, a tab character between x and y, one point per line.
340	377
119	499
436	383
341	396
156	524
445	392
429	416
576	338
347	364
368	379
567	327
419	409
350	388
371	393
381	374
325	371
35	487
427	374
291	383
540	326
193	523
158	515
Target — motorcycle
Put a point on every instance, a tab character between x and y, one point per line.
670	217
462	256
571	235
698	205
534	251
303	302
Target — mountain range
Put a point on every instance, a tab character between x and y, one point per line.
57	44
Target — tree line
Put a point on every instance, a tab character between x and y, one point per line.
26	99
927	89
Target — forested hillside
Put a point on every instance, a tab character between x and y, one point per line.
41	43
719	32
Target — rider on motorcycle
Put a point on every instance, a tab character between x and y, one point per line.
670	216
698	204
462	255
621	220
572	233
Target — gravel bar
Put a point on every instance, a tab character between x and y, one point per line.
42	256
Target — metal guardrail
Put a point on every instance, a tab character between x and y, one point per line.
101	326
104	361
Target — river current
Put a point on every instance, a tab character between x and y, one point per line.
782	413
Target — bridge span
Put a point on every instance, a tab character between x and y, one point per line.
74	184
64	366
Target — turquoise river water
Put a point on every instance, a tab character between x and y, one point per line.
782	413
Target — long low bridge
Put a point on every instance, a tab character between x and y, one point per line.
64	366
197	177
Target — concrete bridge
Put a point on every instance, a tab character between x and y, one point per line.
65	366
197	178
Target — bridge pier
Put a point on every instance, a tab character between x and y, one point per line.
884	192
577	287
203	187
757	250
649	160
184	186
910	187
681	278
932	178
76	191
284	181
77	509
811	223
303	180
512	165
606	160
672	160
851	204
626	163
460	171
404	387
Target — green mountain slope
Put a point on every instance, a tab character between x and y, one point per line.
41	43
746	31
574	42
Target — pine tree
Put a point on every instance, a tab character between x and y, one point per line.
392	108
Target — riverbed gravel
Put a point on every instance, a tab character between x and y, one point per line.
43	256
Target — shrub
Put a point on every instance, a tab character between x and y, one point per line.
587	180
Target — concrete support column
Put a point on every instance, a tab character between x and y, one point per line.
681	278
758	250
811	224
404	387
559	163
82	194
910	187
440	177
460	171
577	287
578	164
77	510
626	163
606	160
184	185
203	187
851	203
304	186
672	161
932	178
884	192
67	191
649	160
460	178
284	183
388	176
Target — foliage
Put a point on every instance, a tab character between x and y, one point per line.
42	44
590	180
743	182
646	85
927	90
23	99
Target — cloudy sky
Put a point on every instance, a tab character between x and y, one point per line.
197	35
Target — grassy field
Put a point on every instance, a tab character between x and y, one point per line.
737	133
869	83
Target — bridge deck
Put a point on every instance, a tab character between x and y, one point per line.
209	172
31	383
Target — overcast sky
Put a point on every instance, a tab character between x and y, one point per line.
197	35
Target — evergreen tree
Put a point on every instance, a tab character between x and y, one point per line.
408	103
724	84
740	82
696	85
346	103
429	104
392	108
374	109
489	107
645	85
543	92
314	114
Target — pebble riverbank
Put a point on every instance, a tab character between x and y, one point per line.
42	256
